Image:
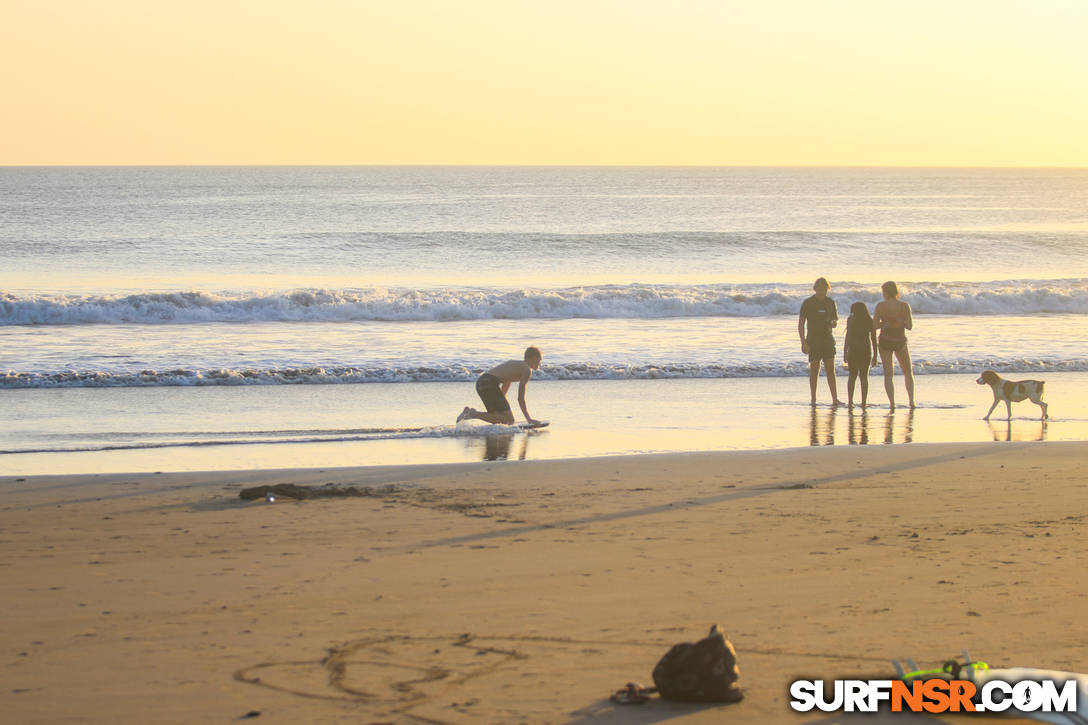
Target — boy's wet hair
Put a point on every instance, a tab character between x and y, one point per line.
890	289
533	352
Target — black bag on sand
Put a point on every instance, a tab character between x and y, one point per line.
702	672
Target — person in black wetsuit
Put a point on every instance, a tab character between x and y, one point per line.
820	316
492	387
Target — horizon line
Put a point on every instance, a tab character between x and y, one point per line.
1076	166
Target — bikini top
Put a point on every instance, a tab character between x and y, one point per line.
893	328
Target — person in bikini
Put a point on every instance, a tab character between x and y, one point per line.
893	318
492	387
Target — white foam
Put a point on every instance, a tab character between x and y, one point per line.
578	371
634	301
199	439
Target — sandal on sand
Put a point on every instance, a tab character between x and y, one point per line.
950	669
632	694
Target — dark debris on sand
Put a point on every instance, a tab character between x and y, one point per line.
291	490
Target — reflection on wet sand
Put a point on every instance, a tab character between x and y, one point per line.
861	427
827	426
501	447
904	424
1029	431
822	428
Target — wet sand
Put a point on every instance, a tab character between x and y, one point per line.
318	426
529	591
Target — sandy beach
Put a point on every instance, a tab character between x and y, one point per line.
250	245
529	591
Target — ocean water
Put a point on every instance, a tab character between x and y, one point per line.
150	313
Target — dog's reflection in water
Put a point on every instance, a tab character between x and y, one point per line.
1003	431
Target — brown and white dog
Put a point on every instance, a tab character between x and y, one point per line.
1012	391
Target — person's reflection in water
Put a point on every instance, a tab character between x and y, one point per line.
497	448
822	431
907	428
1002	433
859	428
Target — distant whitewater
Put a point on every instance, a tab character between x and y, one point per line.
454	373
634	301
263	277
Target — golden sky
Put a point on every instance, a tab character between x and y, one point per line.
699	82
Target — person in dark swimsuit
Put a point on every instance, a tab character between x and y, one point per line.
820	316
492	387
893	318
859	351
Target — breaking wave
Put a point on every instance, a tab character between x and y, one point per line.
634	301
574	371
